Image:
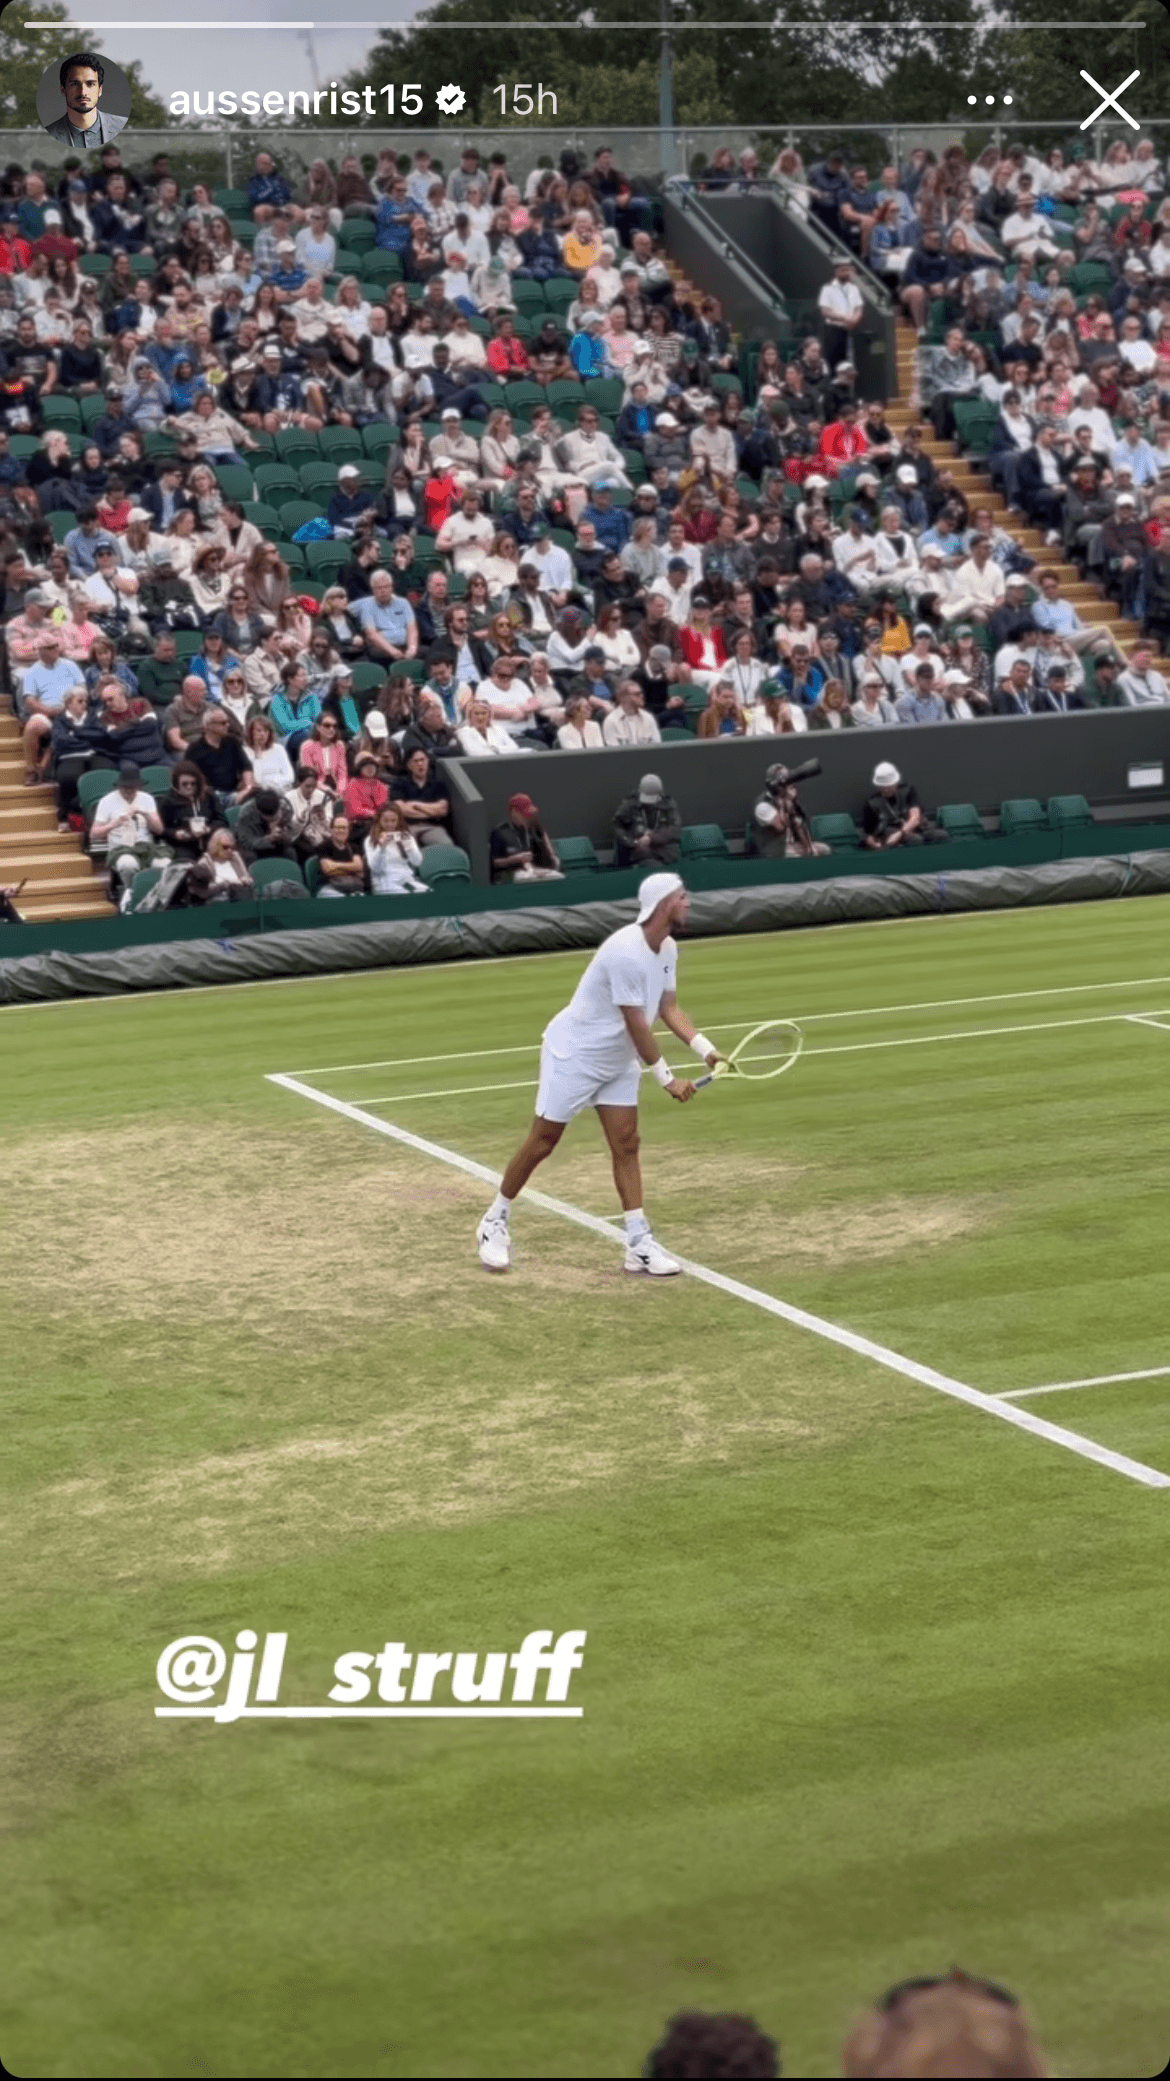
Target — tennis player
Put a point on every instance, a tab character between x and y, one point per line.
593	1055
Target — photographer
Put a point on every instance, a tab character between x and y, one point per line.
780	826
893	814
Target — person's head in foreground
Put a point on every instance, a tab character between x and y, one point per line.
886	778
698	2045
663	903
956	2028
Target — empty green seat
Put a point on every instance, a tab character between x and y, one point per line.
445	863
142	884
235	481
92	786
1069	813
265	871
577	855
704	842
326	559
294	513
837	830
1021	815
961	820
156	780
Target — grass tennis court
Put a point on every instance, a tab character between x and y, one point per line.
875	1680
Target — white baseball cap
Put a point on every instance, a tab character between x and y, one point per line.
655	890
886	775
954	678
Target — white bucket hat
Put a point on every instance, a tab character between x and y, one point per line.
886	775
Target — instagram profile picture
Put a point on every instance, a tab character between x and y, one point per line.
83	101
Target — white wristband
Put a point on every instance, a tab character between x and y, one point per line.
702	1047
663	1071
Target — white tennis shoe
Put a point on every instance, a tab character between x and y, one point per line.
495	1244
644	1255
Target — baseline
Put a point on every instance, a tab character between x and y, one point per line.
864	1347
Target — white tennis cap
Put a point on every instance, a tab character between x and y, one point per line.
886	775
655	890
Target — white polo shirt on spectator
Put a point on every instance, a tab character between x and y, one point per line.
639	728
839	302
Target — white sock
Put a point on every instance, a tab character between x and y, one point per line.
500	1209
636	1224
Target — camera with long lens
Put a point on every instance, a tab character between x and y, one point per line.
791	776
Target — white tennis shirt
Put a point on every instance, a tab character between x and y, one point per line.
623	971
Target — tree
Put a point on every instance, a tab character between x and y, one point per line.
24	54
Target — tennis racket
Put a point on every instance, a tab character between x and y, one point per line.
767	1051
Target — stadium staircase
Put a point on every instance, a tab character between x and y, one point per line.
1091	604
60	881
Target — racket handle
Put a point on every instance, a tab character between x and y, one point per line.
708	1079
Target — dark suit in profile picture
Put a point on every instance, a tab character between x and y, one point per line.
86	126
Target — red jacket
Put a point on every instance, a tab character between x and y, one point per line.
507	357
14	254
691	644
441	495
840	443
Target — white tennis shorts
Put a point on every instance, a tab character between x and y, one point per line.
569	1087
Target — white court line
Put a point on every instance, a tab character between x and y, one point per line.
869	1011
1149	1019
914	1040
1071	1441
1060	1387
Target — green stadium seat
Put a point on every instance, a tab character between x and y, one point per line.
296	512
318	476
95	263
188	642
1069	813
293	440
326	559
671	734
565	392
265	871
836	830
1022	814
368	677
63	412
93	404
606	392
341	443
143	882
24	445
378	437
444	863
381	268
577	855
961	820
156	780
266	518
143	264
293	554
232	201
559	293
61	524
528	294
276	476
91	787
524	393
235	481
704	842
156	442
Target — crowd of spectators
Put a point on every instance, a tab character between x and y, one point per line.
311	492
